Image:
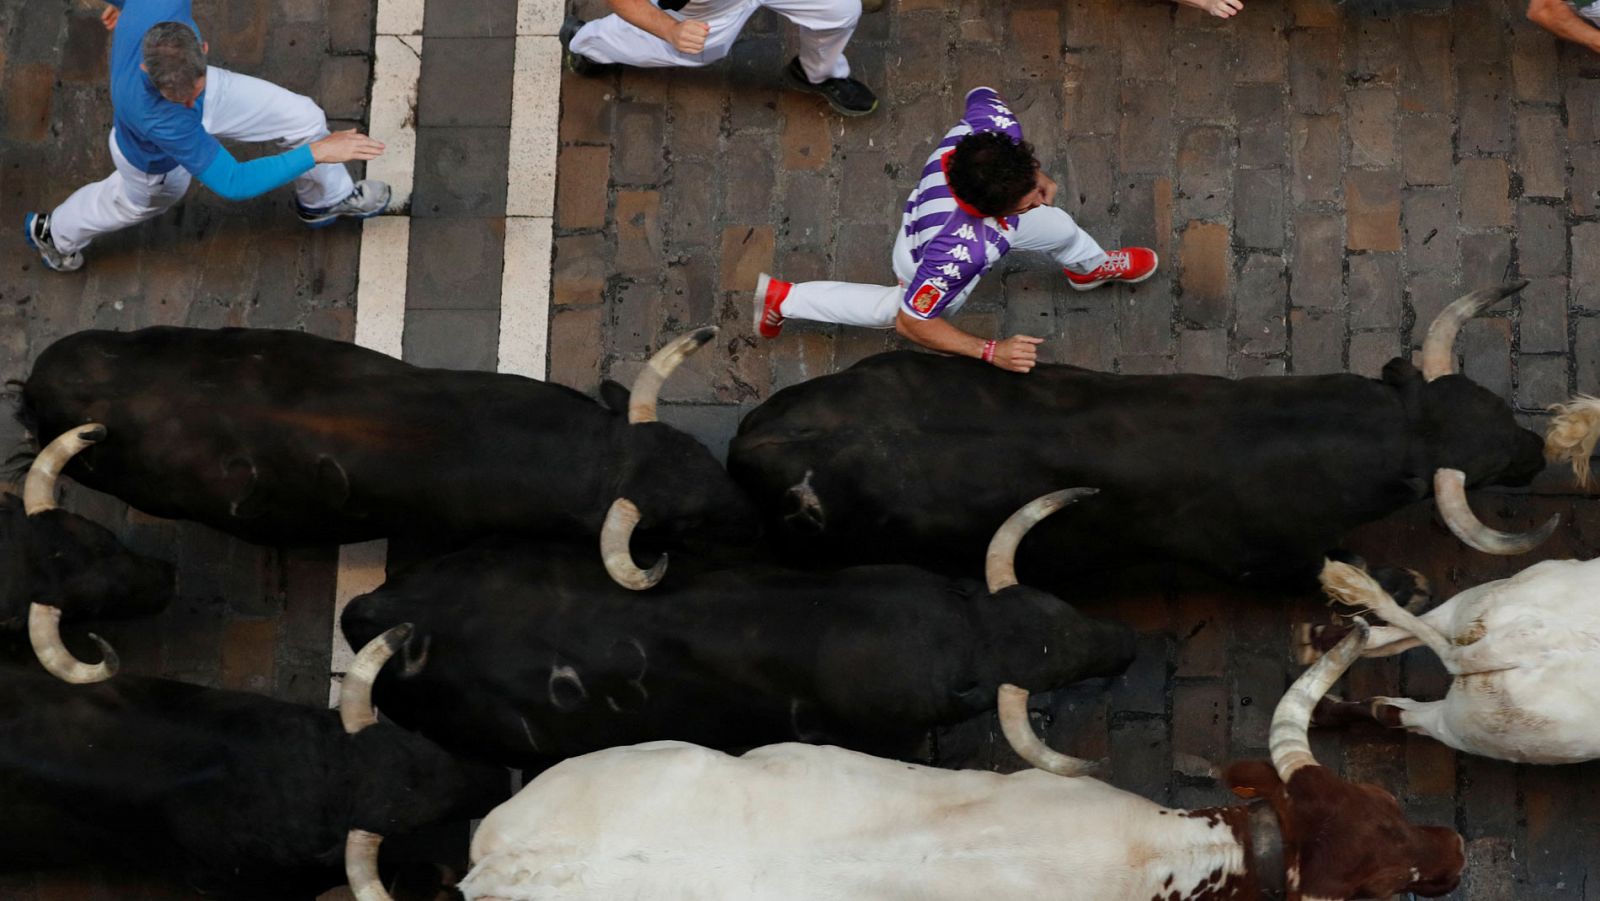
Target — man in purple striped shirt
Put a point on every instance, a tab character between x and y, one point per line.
981	195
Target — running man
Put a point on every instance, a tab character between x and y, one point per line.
169	108
982	194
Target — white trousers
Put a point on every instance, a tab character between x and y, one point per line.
825	28
237	107
1046	229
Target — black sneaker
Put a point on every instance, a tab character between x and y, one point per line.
847	96
577	63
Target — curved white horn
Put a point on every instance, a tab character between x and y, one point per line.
646	387
1000	563
361	865
615	536
1019	732
1439	347
1290	745
1573	434
39	492
44	633
1450	493
355	693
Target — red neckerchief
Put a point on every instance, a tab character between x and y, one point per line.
962	205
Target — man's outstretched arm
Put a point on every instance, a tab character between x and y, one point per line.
1017	353
1561	20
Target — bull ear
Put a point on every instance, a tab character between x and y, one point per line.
614	396
1400	373
1254	779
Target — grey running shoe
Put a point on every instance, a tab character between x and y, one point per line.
847	96
368	199
577	62
36	230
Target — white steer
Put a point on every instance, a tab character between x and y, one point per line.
1524	651
668	820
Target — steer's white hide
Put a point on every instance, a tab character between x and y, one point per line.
1526	659
668	820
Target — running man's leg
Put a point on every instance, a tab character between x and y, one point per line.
846	303
613	40
245	108
126	197
825	28
1050	230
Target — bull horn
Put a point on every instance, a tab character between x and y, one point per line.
355	694
1439	348
1450	493
39	492
647	386
1000	563
361	865
1019	732
44	633
355	711
1573	434
615	535
1290	745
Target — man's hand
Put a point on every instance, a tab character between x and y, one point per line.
109	15
689	36
1222	9
1018	353
344	146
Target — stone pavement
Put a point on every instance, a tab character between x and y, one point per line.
1319	179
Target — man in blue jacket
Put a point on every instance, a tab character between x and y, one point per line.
169	108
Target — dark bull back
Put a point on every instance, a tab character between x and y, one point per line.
281	437
914	457
526	654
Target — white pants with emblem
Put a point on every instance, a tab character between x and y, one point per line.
825	28
1046	229
237	107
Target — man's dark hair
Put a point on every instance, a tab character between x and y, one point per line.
173	58
992	173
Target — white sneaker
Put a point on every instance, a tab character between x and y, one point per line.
368	199
36	231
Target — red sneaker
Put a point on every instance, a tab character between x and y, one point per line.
769	305
1129	264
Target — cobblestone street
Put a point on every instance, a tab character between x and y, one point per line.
1319	179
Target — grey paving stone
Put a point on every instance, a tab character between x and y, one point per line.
1376	291
466	81
460	172
1542	323
1428	222
1586	266
1258	208
1316	341
1262	305
1317	272
1485	353
1205	170
469	19
1261	131
1426	149
1541	240
1541	380
455	264
1371	351
452	339
1485	259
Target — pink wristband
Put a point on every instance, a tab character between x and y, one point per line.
988	351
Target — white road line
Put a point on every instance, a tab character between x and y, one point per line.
385	248
531	190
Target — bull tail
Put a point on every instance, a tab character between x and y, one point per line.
1573	434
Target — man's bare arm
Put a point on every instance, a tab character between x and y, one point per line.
686	36
1017	353
1556	17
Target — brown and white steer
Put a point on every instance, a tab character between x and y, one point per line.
1523	652
668	820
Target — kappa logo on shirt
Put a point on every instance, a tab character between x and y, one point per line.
926	298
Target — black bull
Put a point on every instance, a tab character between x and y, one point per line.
284	438
526	655
237	795
913	457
